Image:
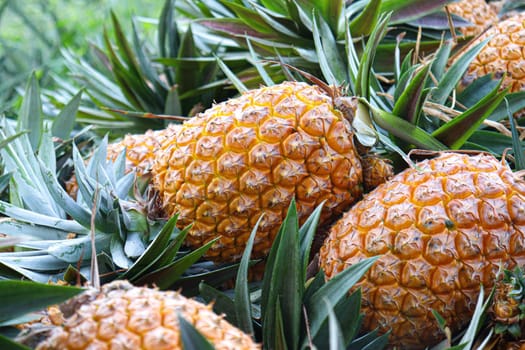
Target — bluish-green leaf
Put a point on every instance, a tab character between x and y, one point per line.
30	115
65	120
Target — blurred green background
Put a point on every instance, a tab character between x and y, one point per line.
32	33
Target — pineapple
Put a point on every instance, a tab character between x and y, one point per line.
503	55
250	156
477	12
441	229
122	316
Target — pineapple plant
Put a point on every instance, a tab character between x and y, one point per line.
441	229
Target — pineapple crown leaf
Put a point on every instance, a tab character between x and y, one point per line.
330	61
363	77
336	337
405	10
282	289
333	291
9	344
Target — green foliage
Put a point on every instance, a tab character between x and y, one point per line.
32	33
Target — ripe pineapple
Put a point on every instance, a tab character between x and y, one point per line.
122	316
441	228
503	54
250	156
477	12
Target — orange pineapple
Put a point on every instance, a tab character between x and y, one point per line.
503	55
442	229
477	12
250	156
126	317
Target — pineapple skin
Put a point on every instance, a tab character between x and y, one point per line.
503	54
126	317
141	148
441	229
250	156
477	12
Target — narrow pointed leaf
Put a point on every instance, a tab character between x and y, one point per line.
222	303
231	76
334	290
440	62
283	284
166	276
365	22
517	147
307	233
328	55
336	340
171	251
30	116
65	120
452	76
8	344
21	297
260	68
243	305
457	131
152	252
403	11
408	106
404	130
365	68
